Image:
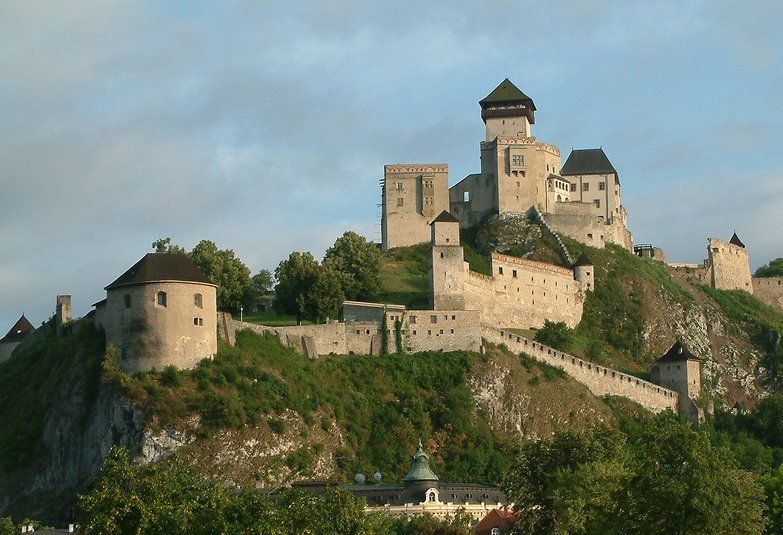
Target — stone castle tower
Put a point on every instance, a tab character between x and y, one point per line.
447	264
680	370
584	271
729	264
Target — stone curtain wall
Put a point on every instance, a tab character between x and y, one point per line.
565	254
769	290
538	292
730	266
438	330
577	220
601	381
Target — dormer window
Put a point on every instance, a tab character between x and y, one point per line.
162	299
431	496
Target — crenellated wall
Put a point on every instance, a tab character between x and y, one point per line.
524	293
601	381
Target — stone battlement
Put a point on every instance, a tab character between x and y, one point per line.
600	380
416	168
532	264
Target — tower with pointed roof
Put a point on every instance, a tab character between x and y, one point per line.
584	271
729	264
162	311
680	370
14	337
447	264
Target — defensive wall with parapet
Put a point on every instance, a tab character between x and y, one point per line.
769	290
600	380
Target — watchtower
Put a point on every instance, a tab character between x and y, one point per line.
507	112
447	264
584	271
680	370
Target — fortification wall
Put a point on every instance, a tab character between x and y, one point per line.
600	380
730	266
439	330
577	220
769	290
364	337
522	293
616	232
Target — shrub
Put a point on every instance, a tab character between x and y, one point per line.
556	334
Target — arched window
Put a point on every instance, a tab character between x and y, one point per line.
161	299
431	496
559	198
495	531
198	300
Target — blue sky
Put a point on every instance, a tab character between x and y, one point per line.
265	127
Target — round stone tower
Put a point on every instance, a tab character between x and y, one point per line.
584	271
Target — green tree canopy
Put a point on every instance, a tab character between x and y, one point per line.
260	285
773	269
357	263
164	245
224	269
556	334
307	289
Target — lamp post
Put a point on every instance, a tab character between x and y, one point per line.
240	313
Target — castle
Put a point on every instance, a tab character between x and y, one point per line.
580	199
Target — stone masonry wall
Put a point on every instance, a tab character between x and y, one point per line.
600	380
578	221
769	290
730	266
523	293
438	330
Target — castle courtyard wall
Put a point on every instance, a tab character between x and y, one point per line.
601	381
769	290
438	330
523	293
578	221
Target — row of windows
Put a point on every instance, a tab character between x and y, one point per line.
161	299
514	275
433	318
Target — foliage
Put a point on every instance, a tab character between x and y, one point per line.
773	490
7	526
260	285
772	269
398	336
405	276
357	263
556	334
659	476
223	268
756	438
164	245
34	380
168	498
306	289
381	406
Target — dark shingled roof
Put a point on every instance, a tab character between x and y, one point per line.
736	241
21	328
583	260
161	267
506	93
445	217
678	353
587	162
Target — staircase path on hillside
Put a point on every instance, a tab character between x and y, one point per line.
565	254
600	380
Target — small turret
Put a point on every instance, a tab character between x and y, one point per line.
736	241
447	264
584	271
420	472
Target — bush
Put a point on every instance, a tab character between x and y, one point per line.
170	377
556	334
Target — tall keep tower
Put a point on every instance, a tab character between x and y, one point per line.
447	264
507	112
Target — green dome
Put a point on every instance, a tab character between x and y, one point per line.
420	469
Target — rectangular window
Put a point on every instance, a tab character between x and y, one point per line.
399	186
433	319
162	299
465	196
573	187
500	270
602	186
198	300
198	321
412	320
399	201
514	273
597	203
517	160
585	186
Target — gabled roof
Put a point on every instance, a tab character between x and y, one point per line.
445	217
161	267
736	241
587	162
420	469
21	328
506	93
678	353
583	260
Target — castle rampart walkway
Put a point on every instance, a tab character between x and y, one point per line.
600	380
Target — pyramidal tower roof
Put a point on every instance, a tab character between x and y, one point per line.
420	469
445	217
678	353
736	241
506	93
161	267
21	328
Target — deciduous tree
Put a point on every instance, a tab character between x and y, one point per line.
358	264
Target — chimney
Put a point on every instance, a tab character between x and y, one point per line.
63	313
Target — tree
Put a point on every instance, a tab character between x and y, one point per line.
7	526
773	489
224	269
307	289
164	245
326	295
358	264
773	269
260	285
556	334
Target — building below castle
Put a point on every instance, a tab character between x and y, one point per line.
420	493
581	200
14	337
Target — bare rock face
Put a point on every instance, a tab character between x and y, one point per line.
511	234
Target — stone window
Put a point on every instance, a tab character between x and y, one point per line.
429	332
465	196
517	160
198	321
452	331
597	203
431	496
453	317
412	319
500	270
399	186
514	273
441	331
586	186
518	184
602	186
399	201
198	300
127	300
162	299
433	318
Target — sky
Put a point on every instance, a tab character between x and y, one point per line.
264	126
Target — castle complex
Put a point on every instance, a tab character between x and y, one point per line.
581	199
